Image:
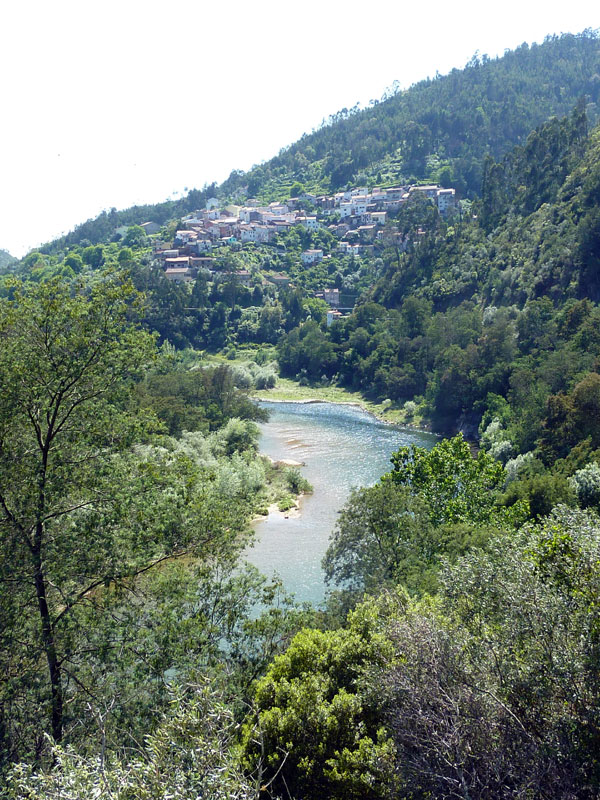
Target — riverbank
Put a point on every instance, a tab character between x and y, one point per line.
274	512
341	448
288	391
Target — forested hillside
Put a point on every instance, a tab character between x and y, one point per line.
440	129
471	289
457	653
6	259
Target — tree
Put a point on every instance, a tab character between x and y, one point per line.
75	262
125	256
572	418
586	485
313	735
64	363
455	486
135	236
376	539
493	691
91	507
81	512
384	537
94	256
189	755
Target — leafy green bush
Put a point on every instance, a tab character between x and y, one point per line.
296	482
189	755
286	502
586	484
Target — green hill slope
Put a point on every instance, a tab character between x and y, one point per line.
495	315
437	130
441	129
6	259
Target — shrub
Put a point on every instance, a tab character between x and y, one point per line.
297	482
286	503
586	485
410	409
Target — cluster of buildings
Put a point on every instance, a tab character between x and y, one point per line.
250	223
360	218
371	207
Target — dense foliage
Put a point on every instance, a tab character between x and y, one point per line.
489	324
189	755
6	259
485	687
119	573
457	655
441	128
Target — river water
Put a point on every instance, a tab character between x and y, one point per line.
342	447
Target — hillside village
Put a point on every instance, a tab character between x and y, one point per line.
446	643
356	217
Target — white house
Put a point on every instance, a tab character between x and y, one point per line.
446	201
430	192
203	245
395	194
376	217
247	233
332	316
346	207
309	257
378	195
177	263
310	223
359	206
256	233
264	234
193	220
278	208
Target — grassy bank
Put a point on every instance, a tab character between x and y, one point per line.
287	390
291	391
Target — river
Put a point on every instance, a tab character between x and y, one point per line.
342	447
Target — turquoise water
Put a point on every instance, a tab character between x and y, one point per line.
342	447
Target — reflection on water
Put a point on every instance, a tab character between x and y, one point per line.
342	447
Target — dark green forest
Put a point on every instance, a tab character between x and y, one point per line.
458	652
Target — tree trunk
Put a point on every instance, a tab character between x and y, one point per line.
50	651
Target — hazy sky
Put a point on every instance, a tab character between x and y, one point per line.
115	103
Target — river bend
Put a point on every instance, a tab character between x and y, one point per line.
342	447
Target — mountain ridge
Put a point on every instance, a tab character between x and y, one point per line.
436	130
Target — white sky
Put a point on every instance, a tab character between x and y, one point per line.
115	103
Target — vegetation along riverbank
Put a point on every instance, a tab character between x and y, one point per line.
433	258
